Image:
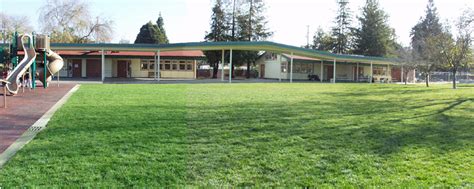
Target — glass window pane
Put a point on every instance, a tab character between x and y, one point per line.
182	66
189	67
174	66
167	66
144	65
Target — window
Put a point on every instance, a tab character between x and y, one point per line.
167	66
151	66
189	66
144	65
182	61
161	66
174	66
284	67
380	70
182	66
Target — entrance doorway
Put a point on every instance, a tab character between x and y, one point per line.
262	71
330	72
122	68
77	68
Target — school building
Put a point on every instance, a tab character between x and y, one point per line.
182	61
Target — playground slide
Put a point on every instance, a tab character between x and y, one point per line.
30	56
56	63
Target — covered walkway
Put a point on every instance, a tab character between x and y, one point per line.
325	57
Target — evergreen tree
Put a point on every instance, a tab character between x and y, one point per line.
322	41
341	32
423	41
251	26
218	32
152	33
147	34
162	37
374	37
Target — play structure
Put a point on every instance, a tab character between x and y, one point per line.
38	62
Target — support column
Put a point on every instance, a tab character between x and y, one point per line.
158	64
103	65
334	72
230	67
195	69
291	68
279	76
389	73
357	72
223	64
402	74
45	70
371	72
322	71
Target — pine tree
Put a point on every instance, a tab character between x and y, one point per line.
423	37
147	34
341	32
218	32
374	37
322	41
251	26
162	37
152	33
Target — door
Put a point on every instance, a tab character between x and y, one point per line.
396	74
330	72
76	68
122	68
262	71
93	68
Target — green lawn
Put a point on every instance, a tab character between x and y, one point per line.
254	135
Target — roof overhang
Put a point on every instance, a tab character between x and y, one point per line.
205	46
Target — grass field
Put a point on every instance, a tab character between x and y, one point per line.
254	135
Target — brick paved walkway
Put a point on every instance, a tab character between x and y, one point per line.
25	109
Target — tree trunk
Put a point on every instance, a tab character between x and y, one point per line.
427	79
405	77
248	70
215	69
454	79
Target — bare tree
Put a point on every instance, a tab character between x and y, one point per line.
70	21
406	59
9	24
456	52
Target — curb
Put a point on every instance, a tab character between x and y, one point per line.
37	127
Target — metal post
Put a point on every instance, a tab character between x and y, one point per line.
4	95
230	67
222	64
291	68
58	77
103	66
357	72
279	76
195	68
402	74
322	71
334	72
371	72
45	71
157	65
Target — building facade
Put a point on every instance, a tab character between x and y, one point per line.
278	66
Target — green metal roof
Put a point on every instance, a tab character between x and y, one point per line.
244	45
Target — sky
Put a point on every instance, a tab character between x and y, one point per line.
188	20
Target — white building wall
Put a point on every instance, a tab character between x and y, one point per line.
344	72
135	67
84	68
108	67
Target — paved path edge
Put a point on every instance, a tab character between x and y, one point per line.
37	127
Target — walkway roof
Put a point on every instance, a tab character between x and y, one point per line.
257	46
